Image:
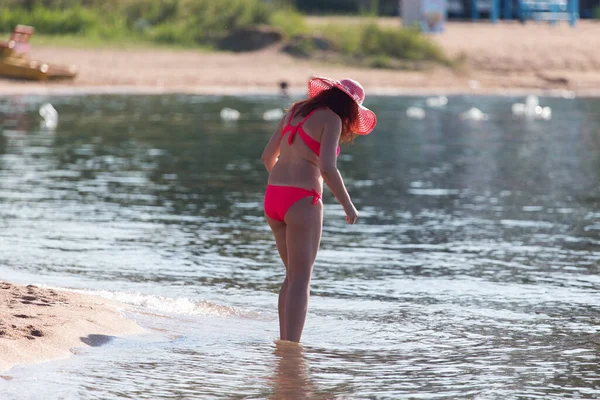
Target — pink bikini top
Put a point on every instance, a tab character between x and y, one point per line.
312	144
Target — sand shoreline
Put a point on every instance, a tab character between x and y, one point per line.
41	324
60	90
506	59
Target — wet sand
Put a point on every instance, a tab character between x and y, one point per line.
39	324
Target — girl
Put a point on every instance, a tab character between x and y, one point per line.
301	154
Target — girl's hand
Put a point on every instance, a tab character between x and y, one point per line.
351	214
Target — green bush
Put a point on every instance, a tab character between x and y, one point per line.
116	29
345	39
405	43
151	12
209	20
44	20
371	40
167	21
206	22
171	34
381	61
290	22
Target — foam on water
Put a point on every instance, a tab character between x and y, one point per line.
179	306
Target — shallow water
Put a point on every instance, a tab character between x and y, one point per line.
472	273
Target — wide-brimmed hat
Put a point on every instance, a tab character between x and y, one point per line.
366	118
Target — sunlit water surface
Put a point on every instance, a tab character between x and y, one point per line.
472	273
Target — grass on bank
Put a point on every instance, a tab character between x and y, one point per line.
114	42
381	45
370	41
200	24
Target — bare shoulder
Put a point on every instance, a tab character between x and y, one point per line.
328	117
287	115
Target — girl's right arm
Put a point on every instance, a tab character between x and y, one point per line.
329	171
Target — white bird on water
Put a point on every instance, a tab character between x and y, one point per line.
274	114
531	109
50	116
229	114
437	101
415	113
474	114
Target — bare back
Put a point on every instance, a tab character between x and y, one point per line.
298	165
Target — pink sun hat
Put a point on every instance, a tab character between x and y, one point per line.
366	118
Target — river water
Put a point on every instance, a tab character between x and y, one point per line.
472	272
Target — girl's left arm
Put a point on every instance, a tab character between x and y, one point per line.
271	152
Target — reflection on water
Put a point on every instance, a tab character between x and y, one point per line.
291	378
472	273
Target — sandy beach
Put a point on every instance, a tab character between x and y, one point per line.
40	324
498	58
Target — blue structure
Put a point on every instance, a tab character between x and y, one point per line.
549	10
494	11
544	10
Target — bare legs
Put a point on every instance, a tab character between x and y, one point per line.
279	228
297	241
303	235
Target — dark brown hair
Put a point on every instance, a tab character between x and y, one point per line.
338	102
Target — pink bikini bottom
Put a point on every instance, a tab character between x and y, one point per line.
279	199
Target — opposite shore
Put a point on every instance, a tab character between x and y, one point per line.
504	58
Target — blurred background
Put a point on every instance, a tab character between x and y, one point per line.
457	45
473	269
